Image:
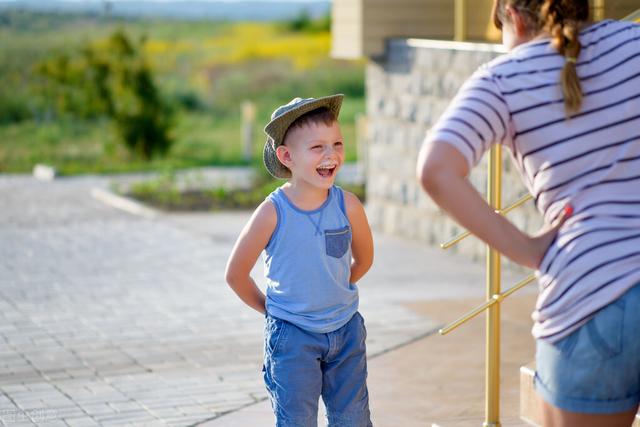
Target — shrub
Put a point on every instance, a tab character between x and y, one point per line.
112	78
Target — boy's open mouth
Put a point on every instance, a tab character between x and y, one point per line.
326	171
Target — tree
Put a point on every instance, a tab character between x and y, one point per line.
112	78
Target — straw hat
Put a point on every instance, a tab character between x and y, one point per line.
282	118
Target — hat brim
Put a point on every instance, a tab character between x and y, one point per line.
277	128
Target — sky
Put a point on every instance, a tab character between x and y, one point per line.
149	1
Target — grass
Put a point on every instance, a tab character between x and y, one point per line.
206	69
81	147
164	193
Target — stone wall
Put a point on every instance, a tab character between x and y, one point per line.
406	93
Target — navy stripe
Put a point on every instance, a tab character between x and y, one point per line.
584	209
492	108
546	42
593	248
581	114
621	216
619	30
526	89
601	245
604	285
472	111
615	181
471	147
531	57
569	159
577	135
586	187
593	92
597	26
585	274
582	175
611	202
611	181
606	70
498	97
556	68
470	126
546	269
529	72
582	78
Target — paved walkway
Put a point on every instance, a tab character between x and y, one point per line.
113	319
436	381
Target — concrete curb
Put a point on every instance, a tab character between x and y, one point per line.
124	203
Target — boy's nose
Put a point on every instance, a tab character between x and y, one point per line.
330	150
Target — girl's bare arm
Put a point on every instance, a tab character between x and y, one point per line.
442	171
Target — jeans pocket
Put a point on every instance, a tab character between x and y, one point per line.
337	241
606	330
598	339
363	328
274	332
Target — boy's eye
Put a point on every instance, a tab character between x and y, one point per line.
316	147
338	144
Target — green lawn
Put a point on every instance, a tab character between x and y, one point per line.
204	69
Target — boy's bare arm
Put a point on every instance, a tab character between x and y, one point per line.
362	241
252	240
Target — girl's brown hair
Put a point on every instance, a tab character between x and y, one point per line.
561	19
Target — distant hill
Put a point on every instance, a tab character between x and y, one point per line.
213	10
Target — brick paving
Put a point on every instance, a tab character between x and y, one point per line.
111	319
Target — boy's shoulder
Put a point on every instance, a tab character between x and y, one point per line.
351	201
265	215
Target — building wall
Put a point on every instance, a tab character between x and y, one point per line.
618	9
406	93
362	27
346	29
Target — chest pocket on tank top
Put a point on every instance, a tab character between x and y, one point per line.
337	241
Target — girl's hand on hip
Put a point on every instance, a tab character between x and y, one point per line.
540	242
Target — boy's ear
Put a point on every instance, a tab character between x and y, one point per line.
284	155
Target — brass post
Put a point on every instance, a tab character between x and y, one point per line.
492	351
460	20
598	10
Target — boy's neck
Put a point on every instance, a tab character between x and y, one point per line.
304	196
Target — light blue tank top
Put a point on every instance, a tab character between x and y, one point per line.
308	264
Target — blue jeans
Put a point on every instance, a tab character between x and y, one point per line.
595	369
300	366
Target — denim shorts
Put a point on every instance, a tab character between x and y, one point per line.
300	366
595	369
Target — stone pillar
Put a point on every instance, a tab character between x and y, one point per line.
407	91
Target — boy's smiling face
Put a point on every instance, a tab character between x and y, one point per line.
313	153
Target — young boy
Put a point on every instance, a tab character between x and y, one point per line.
317	244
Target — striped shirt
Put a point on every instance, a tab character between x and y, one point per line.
591	161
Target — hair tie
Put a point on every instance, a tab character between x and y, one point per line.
571	59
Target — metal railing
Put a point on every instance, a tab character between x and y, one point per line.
494	295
